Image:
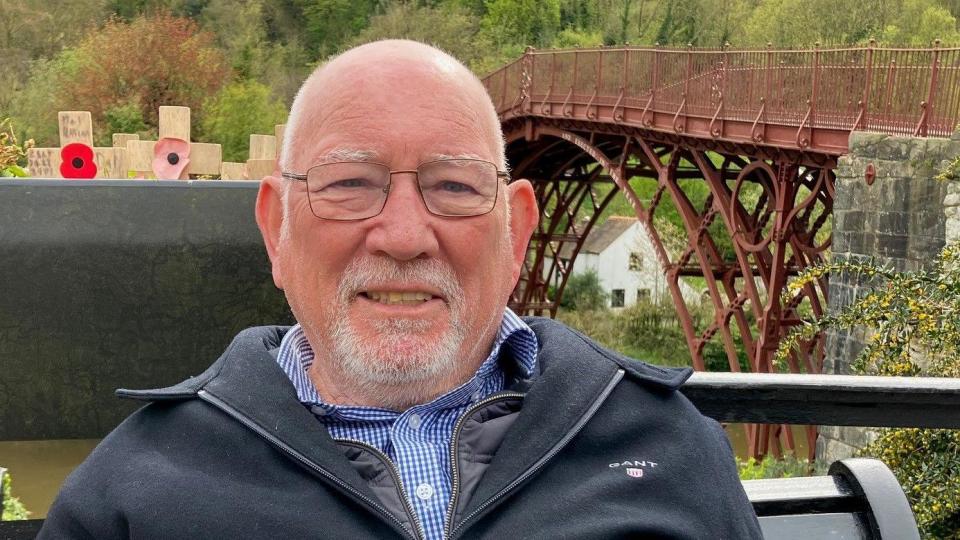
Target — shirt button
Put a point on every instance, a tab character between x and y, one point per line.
415	421
318	410
424	491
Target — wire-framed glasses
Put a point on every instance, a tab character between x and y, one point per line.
353	190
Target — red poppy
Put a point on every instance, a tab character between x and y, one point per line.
76	161
170	158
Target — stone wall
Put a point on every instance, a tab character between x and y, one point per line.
902	220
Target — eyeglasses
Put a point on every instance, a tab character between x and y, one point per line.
354	190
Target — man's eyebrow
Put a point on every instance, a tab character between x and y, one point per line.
346	154
436	157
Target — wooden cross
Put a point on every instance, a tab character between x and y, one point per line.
264	153
76	127
174	123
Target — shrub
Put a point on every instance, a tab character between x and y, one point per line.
13	155
583	292
124	118
13	509
646	331
789	466
914	320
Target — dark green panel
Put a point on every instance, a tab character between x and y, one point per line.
106	284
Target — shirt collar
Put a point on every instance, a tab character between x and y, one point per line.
519	342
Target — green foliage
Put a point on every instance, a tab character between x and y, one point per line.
13	155
34	107
13	509
451	27
646	330
914	328
801	23
124	118
926	462
522	22
331	23
583	292
238	110
919	23
569	37
951	171
789	466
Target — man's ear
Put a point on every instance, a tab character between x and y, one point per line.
269	212
524	216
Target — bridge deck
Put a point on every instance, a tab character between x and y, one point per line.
807	100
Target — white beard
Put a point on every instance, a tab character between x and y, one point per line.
386	368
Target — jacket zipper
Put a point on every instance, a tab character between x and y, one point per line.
407	505
217	402
454	471
554	450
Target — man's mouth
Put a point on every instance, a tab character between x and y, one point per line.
404	298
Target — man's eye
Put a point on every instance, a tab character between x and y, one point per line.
348	183
450	186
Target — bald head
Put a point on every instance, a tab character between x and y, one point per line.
386	78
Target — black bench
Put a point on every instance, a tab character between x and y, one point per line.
860	498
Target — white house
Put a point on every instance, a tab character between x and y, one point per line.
623	257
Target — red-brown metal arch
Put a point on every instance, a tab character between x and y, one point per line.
770	213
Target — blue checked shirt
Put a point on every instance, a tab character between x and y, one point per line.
417	440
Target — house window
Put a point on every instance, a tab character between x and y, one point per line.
616	298
635	261
643	295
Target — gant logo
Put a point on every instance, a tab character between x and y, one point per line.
634	468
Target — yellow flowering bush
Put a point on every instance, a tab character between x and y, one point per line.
913	323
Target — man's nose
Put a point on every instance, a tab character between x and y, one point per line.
404	230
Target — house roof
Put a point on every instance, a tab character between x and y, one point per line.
601	236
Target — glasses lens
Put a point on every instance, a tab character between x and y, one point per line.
347	191
458	187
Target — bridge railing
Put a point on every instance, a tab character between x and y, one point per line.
896	91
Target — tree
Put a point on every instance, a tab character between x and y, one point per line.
450	27
518	23
583	292
919	23
331	23
238	110
150	61
801	23
34	106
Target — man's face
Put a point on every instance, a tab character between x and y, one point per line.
404	299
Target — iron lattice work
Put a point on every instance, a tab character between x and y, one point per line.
759	222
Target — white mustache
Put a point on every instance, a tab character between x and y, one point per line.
370	272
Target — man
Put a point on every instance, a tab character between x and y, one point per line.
408	402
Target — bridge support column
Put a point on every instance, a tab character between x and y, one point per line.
902	220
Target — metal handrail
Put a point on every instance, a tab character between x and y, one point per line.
836	400
899	91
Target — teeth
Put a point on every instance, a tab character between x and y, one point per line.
395	297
